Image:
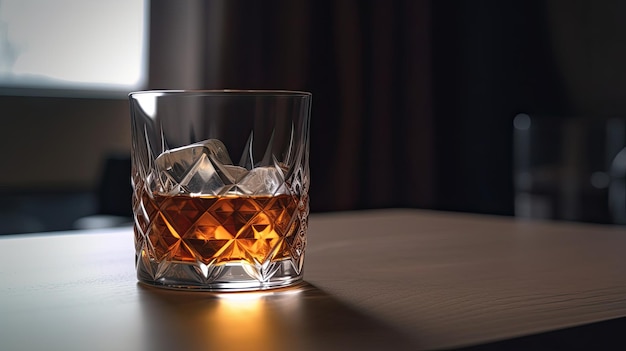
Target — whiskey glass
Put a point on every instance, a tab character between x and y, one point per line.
220	187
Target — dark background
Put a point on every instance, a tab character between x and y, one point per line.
413	105
491	61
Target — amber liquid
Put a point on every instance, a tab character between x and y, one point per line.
220	230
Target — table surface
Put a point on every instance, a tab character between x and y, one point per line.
413	279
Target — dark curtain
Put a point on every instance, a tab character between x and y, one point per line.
413	100
492	60
367	64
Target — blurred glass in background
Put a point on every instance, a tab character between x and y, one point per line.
570	168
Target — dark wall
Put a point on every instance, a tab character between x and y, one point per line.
491	60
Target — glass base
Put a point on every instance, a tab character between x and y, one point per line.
239	276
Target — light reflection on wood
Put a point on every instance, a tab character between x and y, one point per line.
298	318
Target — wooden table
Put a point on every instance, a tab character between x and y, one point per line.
381	279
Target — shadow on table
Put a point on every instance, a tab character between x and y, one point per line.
300	318
604	335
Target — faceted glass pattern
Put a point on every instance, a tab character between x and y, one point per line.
202	222
263	235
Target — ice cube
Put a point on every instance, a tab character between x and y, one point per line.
262	181
234	173
202	178
200	168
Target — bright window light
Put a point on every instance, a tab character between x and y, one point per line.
86	45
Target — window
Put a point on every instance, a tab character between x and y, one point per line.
78	47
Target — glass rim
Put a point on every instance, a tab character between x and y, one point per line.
218	92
